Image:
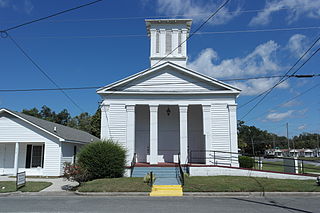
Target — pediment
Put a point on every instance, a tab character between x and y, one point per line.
169	78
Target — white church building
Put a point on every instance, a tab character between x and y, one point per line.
169	110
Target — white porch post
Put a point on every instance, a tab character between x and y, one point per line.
233	134
207	130
183	110
16	158
153	134
130	132
105	133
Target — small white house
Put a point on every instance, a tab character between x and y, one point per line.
168	109
37	146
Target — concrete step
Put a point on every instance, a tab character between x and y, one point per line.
166	181
157	171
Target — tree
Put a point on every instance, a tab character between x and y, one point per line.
33	112
84	121
96	123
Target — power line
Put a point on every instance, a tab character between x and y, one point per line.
42	71
159	84
282	80
50	16
147	17
192	34
144	35
291	99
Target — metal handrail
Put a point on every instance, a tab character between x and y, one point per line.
151	179
133	163
214	157
180	172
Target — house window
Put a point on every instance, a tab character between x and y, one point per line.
168	41
34	156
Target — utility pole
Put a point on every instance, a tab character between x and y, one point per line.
252	145
274	142
287	125
318	151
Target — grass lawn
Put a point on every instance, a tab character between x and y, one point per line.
206	184
10	186
115	185
247	184
278	167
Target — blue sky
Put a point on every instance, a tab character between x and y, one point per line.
87	47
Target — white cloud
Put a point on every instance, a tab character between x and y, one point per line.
290	103
278	116
28	6
257	86
297	44
260	61
293	9
4	3
25	6
198	11
302	127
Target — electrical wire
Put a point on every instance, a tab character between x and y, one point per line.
291	99
291	68
144	35
148	17
192	34
42	71
50	16
281	81
159	84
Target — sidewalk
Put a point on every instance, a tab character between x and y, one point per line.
58	184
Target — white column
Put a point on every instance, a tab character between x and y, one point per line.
206	109
153	42
233	133
175	42
184	43
162	43
183	109
153	134
130	132
16	159
105	129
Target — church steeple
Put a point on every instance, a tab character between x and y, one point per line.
165	35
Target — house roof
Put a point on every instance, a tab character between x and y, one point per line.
184	70
62	132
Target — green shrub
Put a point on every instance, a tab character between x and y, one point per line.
147	178
246	162
102	159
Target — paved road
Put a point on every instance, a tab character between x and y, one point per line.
158	205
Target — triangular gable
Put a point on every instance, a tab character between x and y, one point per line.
32	124
168	77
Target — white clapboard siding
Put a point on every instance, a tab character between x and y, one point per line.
67	154
169	80
220	132
118	123
14	130
52	159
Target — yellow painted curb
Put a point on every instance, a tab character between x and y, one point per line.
166	190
